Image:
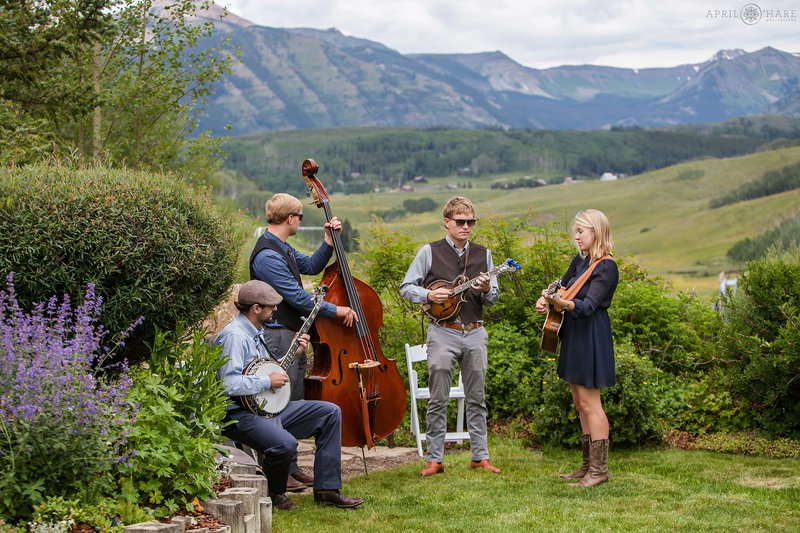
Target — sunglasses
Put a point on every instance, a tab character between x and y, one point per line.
461	221
298	215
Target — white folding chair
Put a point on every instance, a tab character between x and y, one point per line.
415	354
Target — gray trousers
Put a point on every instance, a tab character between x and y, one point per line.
446	347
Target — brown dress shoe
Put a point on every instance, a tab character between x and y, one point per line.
302	477
282	502
485	464
336	499
293	485
431	469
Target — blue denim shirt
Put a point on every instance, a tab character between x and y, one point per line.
240	344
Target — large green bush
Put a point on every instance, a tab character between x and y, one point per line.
673	330
759	352
152	245
638	407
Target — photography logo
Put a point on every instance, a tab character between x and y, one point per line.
750	14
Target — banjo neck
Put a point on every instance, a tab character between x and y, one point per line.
288	358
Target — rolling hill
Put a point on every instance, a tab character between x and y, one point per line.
661	218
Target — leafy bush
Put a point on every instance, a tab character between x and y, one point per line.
672	330
62	426
180	406
638	406
420	205
711	407
513	379
150	244
759	353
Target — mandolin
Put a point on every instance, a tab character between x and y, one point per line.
442	312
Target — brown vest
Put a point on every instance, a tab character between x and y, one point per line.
446	265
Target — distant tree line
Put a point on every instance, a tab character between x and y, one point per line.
772	182
785	236
359	159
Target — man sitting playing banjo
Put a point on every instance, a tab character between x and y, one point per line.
276	437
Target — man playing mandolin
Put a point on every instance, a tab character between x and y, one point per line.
276	437
456	333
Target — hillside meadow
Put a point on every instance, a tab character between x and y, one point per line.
662	218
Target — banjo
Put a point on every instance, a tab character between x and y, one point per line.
272	401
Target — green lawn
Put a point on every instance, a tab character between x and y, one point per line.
650	490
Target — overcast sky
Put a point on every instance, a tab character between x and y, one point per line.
620	33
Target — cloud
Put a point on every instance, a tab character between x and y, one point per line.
623	33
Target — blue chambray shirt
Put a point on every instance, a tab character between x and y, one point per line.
240	344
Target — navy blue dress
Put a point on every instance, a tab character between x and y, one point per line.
587	350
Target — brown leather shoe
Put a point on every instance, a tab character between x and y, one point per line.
302	477
485	464
431	469
336	499
282	502
293	485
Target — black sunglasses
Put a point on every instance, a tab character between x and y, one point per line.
298	215
461	221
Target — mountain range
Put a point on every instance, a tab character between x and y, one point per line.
300	78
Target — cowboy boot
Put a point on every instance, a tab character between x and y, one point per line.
586	442
598	465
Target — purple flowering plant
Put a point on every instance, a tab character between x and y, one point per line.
62	422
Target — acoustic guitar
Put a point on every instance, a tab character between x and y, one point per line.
442	312
552	324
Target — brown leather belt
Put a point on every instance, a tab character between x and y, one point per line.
459	325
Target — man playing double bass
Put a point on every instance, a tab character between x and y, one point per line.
277	263
460	338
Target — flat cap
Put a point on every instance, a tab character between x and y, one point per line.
258	292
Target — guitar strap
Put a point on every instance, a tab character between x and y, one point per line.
570	293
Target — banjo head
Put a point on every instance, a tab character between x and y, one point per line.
270	402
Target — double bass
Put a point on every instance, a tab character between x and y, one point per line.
349	368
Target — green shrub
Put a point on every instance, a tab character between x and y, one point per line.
513	379
180	406
638	407
759	353
711	407
420	205
672	330
152	245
